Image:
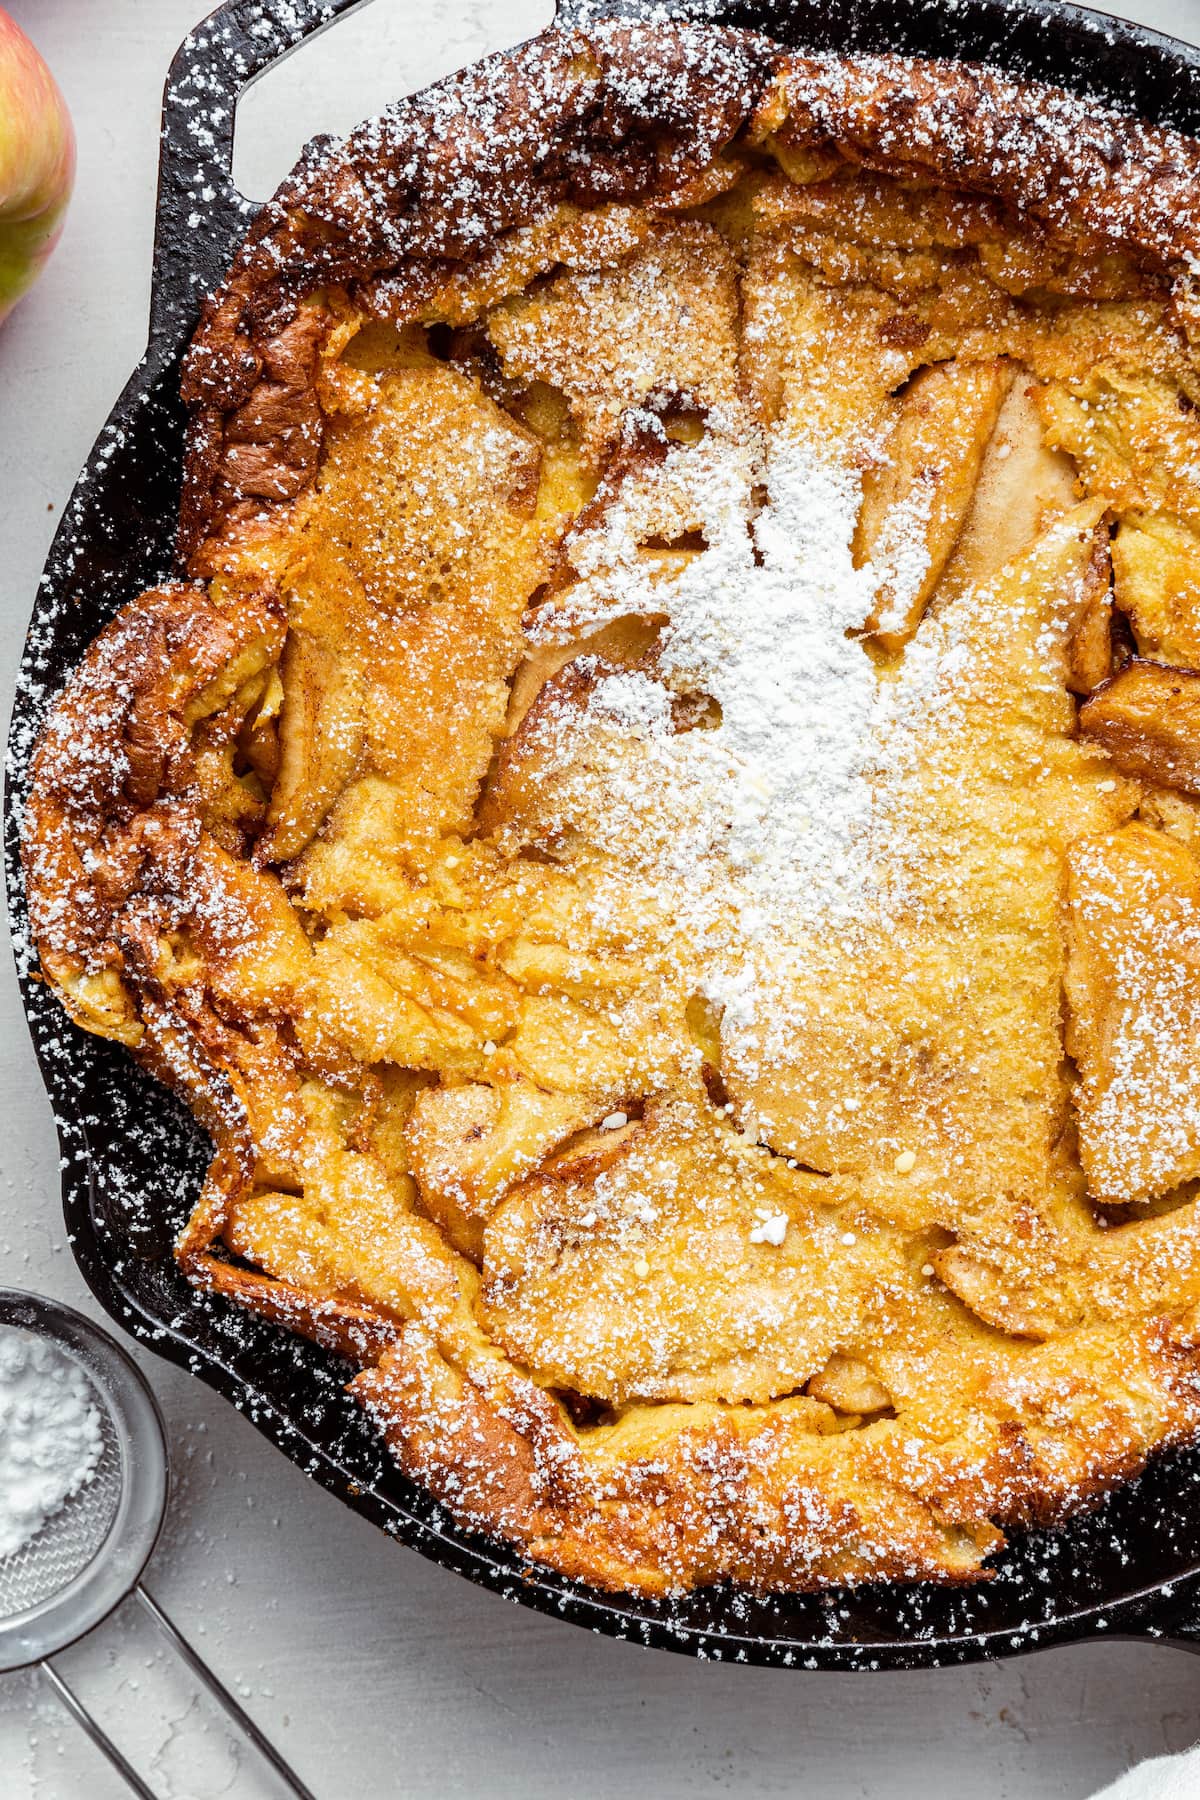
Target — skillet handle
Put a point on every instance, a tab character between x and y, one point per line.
198	205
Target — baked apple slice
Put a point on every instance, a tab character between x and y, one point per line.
320	736
915	502
1156	568
1148	719
468	1145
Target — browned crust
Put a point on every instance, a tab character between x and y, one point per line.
623	114
756	1500
424	189
354	1332
115	743
1079	167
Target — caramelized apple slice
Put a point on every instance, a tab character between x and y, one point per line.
549	702
914	505
621	642
849	1386
320	735
1029	1306
1090	645
1156	563
1148	719
468	1145
1021	486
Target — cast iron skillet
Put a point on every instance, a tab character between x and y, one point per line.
133	1159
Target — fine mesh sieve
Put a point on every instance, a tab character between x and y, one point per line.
70	1538
89	1556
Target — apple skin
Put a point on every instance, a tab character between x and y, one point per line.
37	162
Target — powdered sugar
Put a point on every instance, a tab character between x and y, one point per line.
902	555
769	1227
50	1439
773	842
778	793
769	639
762	829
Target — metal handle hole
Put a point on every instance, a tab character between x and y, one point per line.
376	55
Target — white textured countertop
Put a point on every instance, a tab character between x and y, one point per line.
381	1675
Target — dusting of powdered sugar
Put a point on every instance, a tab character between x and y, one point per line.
778	794
773	850
901	556
768	633
764	831
50	1437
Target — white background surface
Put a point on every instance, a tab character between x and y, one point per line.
382	1675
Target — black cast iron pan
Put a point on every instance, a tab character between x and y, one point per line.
133	1159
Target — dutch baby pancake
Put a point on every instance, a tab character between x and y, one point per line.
658	824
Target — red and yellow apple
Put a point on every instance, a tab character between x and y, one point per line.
37	162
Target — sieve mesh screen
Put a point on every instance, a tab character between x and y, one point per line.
70	1538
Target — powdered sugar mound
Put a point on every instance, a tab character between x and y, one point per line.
50	1440
762	824
778	794
769	640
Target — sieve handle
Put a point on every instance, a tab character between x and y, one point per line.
95	1731
191	1656
221	1693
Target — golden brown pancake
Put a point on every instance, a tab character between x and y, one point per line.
657	826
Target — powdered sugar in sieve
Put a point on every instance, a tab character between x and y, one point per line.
60	1470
